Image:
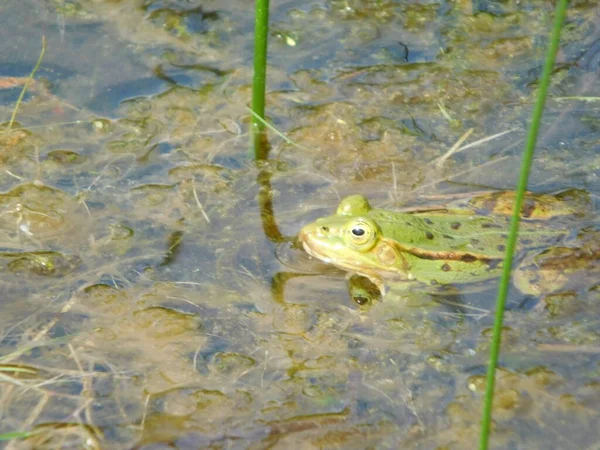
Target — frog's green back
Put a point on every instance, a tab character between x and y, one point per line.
443	272
481	236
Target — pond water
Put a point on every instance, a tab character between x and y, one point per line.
150	302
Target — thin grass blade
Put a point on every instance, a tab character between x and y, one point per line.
559	17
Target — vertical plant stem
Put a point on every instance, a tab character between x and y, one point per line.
259	138
261	32
26	85
560	11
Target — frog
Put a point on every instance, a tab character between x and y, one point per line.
456	245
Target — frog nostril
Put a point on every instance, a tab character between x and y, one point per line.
324	229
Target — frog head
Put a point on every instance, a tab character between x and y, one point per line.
352	241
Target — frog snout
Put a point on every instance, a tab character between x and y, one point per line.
314	230
303	235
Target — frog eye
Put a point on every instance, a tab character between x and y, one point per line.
361	234
358	231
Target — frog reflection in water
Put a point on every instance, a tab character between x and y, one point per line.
436	247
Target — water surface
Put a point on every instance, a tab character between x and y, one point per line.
140	299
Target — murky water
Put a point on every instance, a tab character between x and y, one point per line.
143	305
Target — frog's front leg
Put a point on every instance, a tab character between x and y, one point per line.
364	291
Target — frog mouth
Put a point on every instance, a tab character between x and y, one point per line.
315	254
305	238
311	245
328	259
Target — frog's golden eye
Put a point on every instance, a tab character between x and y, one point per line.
361	234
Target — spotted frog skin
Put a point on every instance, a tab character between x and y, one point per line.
445	246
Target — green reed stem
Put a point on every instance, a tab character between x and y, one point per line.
560	11
26	85
14	435
261	32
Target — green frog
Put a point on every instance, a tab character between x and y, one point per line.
441	247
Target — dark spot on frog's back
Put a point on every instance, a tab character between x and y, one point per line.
501	247
526	241
528	208
467	257
429	235
455	225
446	267
428	221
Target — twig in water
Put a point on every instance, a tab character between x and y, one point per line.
454	148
